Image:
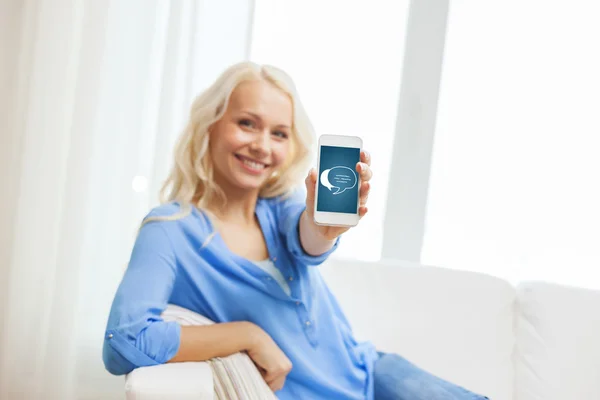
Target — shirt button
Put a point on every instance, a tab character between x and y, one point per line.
274	258
297	303
291	278
307	323
110	336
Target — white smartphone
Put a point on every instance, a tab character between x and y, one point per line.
336	194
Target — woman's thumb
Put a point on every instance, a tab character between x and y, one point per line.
310	182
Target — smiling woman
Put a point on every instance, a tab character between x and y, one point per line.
254	136
244	256
233	242
263	141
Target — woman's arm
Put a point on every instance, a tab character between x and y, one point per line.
136	335
312	241
304	244
201	343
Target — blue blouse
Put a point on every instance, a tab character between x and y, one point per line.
187	263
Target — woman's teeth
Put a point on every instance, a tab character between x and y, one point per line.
253	164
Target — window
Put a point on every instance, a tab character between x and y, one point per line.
515	185
345	58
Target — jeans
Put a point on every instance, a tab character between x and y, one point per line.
396	378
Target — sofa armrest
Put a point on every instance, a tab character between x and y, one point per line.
182	381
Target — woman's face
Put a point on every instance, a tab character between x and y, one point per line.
252	139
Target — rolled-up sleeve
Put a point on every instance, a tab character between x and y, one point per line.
136	335
288	213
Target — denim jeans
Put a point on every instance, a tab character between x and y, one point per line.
396	378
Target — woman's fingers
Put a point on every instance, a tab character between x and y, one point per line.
365	157
364	170
275	379
277	384
365	187
311	179
310	182
364	166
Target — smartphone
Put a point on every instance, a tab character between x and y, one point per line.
336	194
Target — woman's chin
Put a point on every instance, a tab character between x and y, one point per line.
250	179
250	183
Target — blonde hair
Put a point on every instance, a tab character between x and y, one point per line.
191	180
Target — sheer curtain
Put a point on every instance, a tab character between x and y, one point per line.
515	177
93	96
346	60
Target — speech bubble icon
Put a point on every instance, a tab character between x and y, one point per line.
340	178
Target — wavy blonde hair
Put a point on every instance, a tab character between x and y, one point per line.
191	179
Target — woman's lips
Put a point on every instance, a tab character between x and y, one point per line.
250	165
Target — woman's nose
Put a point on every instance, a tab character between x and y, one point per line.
262	143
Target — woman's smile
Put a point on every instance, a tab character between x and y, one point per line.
251	165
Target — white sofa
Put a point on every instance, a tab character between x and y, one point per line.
537	341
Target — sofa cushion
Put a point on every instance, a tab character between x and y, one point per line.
455	324
558	330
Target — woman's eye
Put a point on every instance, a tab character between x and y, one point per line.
280	134
246	122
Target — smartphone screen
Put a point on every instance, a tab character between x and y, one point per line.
338	180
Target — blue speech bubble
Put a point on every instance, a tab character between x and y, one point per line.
340	178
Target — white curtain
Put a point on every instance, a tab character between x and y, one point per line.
94	94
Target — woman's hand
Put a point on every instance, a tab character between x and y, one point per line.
330	233
270	360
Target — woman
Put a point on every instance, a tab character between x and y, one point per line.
235	242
